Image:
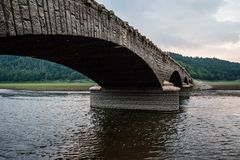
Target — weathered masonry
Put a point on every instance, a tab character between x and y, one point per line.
83	35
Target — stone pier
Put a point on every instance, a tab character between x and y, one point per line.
185	91
166	100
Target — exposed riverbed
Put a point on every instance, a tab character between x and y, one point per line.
50	125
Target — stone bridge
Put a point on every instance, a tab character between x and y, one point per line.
85	36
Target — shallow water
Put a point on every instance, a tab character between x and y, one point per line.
50	125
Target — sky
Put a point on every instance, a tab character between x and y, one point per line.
204	28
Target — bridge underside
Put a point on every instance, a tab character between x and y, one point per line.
108	64
127	81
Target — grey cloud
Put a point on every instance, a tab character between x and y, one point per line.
178	23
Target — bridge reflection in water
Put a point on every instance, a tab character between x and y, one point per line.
121	134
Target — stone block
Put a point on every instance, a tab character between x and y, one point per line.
40	2
52	16
58	22
69	25
34	17
17	17
23	2
9	17
3	25
42	20
27	27
63	17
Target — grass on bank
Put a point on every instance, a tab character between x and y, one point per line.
49	86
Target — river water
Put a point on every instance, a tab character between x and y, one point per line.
55	125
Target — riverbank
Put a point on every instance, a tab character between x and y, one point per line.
84	86
217	85
49	86
225	85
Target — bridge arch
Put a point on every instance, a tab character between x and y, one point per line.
190	81
176	79
186	80
106	63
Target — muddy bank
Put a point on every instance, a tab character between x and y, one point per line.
199	85
202	88
218	85
215	93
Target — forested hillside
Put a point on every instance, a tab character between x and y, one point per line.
209	68
20	69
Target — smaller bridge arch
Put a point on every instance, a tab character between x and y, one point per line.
176	79
186	80
190	81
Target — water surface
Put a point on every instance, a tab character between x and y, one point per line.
50	125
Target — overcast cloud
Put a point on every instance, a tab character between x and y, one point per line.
208	28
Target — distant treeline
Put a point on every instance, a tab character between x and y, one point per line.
209	68
20	69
